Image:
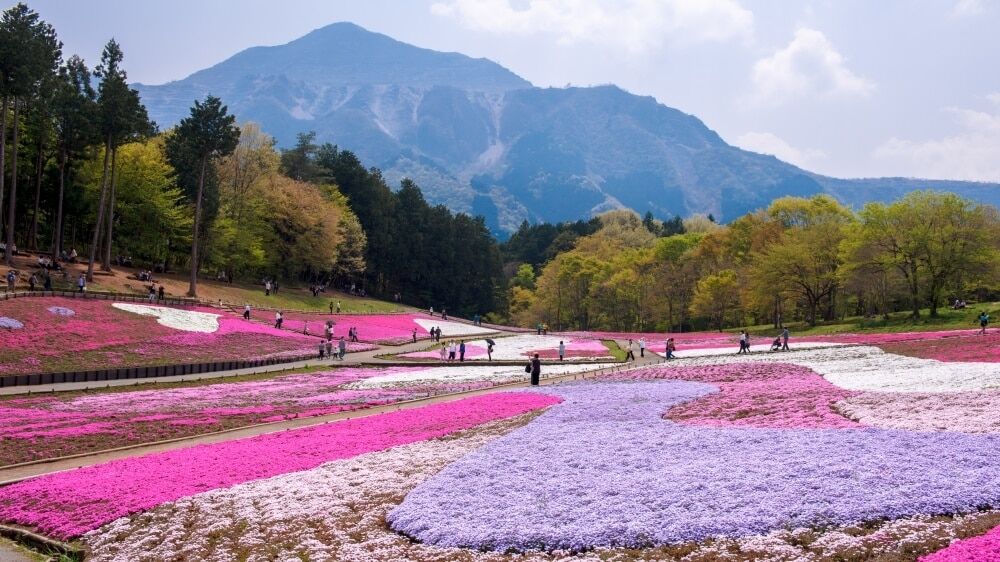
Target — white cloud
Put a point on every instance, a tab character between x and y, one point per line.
808	66
636	25
973	153
769	143
967	8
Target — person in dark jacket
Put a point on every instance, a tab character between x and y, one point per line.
536	370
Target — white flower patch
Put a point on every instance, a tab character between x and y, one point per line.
870	368
731	350
452	329
178	319
460	374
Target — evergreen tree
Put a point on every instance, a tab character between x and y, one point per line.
209	132
29	54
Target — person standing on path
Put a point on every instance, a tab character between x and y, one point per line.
162	293
338	307
984	320
562	350
784	340
536	370
443	351
452	350
642	347
11	281
630	351
461	352
670	347
81	284
331	307
743	342
246	311
414	335
329	349
489	351
278	319
322	348
31	282
342	347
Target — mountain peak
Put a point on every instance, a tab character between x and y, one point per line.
346	54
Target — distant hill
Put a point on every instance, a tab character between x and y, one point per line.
478	138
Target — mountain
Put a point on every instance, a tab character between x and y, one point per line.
480	139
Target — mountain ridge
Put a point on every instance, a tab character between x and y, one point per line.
480	139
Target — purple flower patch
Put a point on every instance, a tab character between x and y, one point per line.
604	469
61	311
10	323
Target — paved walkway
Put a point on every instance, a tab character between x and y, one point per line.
13	552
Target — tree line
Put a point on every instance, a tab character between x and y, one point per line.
801	259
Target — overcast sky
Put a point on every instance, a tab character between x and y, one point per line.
849	88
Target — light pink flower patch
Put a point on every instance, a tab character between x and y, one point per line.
976	549
67	504
772	395
970	412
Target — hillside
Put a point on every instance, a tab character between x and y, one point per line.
480	139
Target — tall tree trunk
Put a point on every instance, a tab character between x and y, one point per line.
106	262
57	235
12	204
193	289
33	231
100	211
3	150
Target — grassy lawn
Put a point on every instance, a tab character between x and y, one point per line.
617	352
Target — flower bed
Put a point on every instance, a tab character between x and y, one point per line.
67	504
982	548
604	469
975	348
60	334
388	329
775	395
515	348
48	426
970	412
868	368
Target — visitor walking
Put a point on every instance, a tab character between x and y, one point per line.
642	347
162	293
31	282
670	348
536	370
331	307
538	329
562	350
452	350
81	284
414	335
267	288
279	318
152	293
784	340
338	307
322	349
984	320
489	350
461	352
329	349
342	348
443	352
437	334
246	311
11	280
743	343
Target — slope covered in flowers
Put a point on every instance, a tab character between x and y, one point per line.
60	334
389	329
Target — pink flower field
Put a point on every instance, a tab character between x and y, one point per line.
971	348
48	426
386	329
60	334
67	504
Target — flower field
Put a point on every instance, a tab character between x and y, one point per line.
524	346
39	427
387	329
59	334
835	451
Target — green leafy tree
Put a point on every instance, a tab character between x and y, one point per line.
209	132
715	296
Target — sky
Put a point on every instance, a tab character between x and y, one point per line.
848	88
